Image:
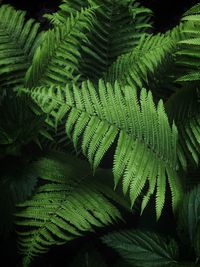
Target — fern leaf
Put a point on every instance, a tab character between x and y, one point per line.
143	248
152	57
183	108
146	147
189	52
57	58
67	205
18	41
117	29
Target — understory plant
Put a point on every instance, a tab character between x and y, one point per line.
100	125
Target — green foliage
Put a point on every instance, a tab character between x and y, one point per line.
189	52
145	65
143	248
57	59
117	29
18	41
146	148
183	108
70	203
101	81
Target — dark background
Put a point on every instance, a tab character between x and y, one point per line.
166	15
166	12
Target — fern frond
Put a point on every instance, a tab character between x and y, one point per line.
57	59
149	59
70	203
18	41
117	29
66	8
143	248
183	108
146	149
189	51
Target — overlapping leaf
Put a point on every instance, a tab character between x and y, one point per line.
147	146
70	203
143	248
18	41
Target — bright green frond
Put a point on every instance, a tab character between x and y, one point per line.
143	248
146	147
57	59
18	41
70	203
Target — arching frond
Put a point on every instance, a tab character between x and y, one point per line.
70	203
118	27
146	64
147	145
58	57
143	248
18	41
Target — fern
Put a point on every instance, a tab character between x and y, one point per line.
57	59
115	21
183	108
18	41
67	8
146	149
143	248
113	34
150	58
189	52
70	203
